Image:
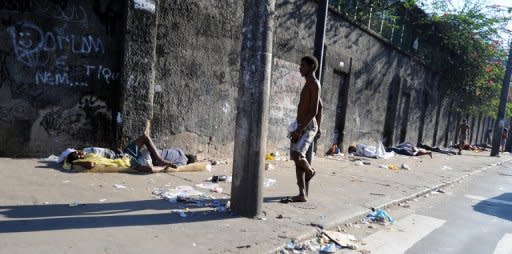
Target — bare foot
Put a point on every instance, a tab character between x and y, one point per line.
299	198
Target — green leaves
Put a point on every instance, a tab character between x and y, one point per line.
465	41
474	69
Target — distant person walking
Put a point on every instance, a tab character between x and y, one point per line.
488	137
463	134
308	113
504	137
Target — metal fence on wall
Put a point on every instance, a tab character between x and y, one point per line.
391	22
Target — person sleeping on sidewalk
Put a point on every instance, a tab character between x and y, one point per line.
140	155
409	149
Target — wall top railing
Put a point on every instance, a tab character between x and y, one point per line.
400	26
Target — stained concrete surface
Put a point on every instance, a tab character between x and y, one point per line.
36	216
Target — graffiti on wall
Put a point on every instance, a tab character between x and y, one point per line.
147	5
89	115
51	54
48	53
59	71
36	6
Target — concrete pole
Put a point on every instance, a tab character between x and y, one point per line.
138	70
500	121
253	106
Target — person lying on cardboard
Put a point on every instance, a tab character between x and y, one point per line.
135	157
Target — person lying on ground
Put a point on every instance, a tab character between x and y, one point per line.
474	148
375	152
149	160
334	150
437	149
409	149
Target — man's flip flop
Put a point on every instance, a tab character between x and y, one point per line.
286	200
292	200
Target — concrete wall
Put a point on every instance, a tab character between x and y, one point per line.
375	66
59	74
197	64
179	64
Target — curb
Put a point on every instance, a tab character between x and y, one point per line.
311	233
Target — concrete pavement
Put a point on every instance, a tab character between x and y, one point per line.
36	215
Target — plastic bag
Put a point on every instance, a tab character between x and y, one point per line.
380	215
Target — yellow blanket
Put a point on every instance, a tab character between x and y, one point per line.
122	165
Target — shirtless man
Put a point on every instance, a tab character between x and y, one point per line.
307	127
463	134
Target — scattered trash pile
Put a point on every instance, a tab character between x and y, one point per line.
333	241
191	198
395	167
275	156
325	242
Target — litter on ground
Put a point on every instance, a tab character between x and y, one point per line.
379	215
446	168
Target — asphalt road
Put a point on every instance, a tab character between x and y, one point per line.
471	217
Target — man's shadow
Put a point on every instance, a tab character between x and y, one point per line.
30	218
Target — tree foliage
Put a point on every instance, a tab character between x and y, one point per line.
465	46
474	53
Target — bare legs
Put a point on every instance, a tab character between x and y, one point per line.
155	156
304	173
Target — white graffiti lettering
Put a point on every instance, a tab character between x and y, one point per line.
101	72
56	79
147	5
30	41
73	14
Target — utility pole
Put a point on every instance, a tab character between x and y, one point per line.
321	20
500	121
253	106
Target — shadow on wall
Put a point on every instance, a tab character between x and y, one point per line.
391	110
286	40
498	206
